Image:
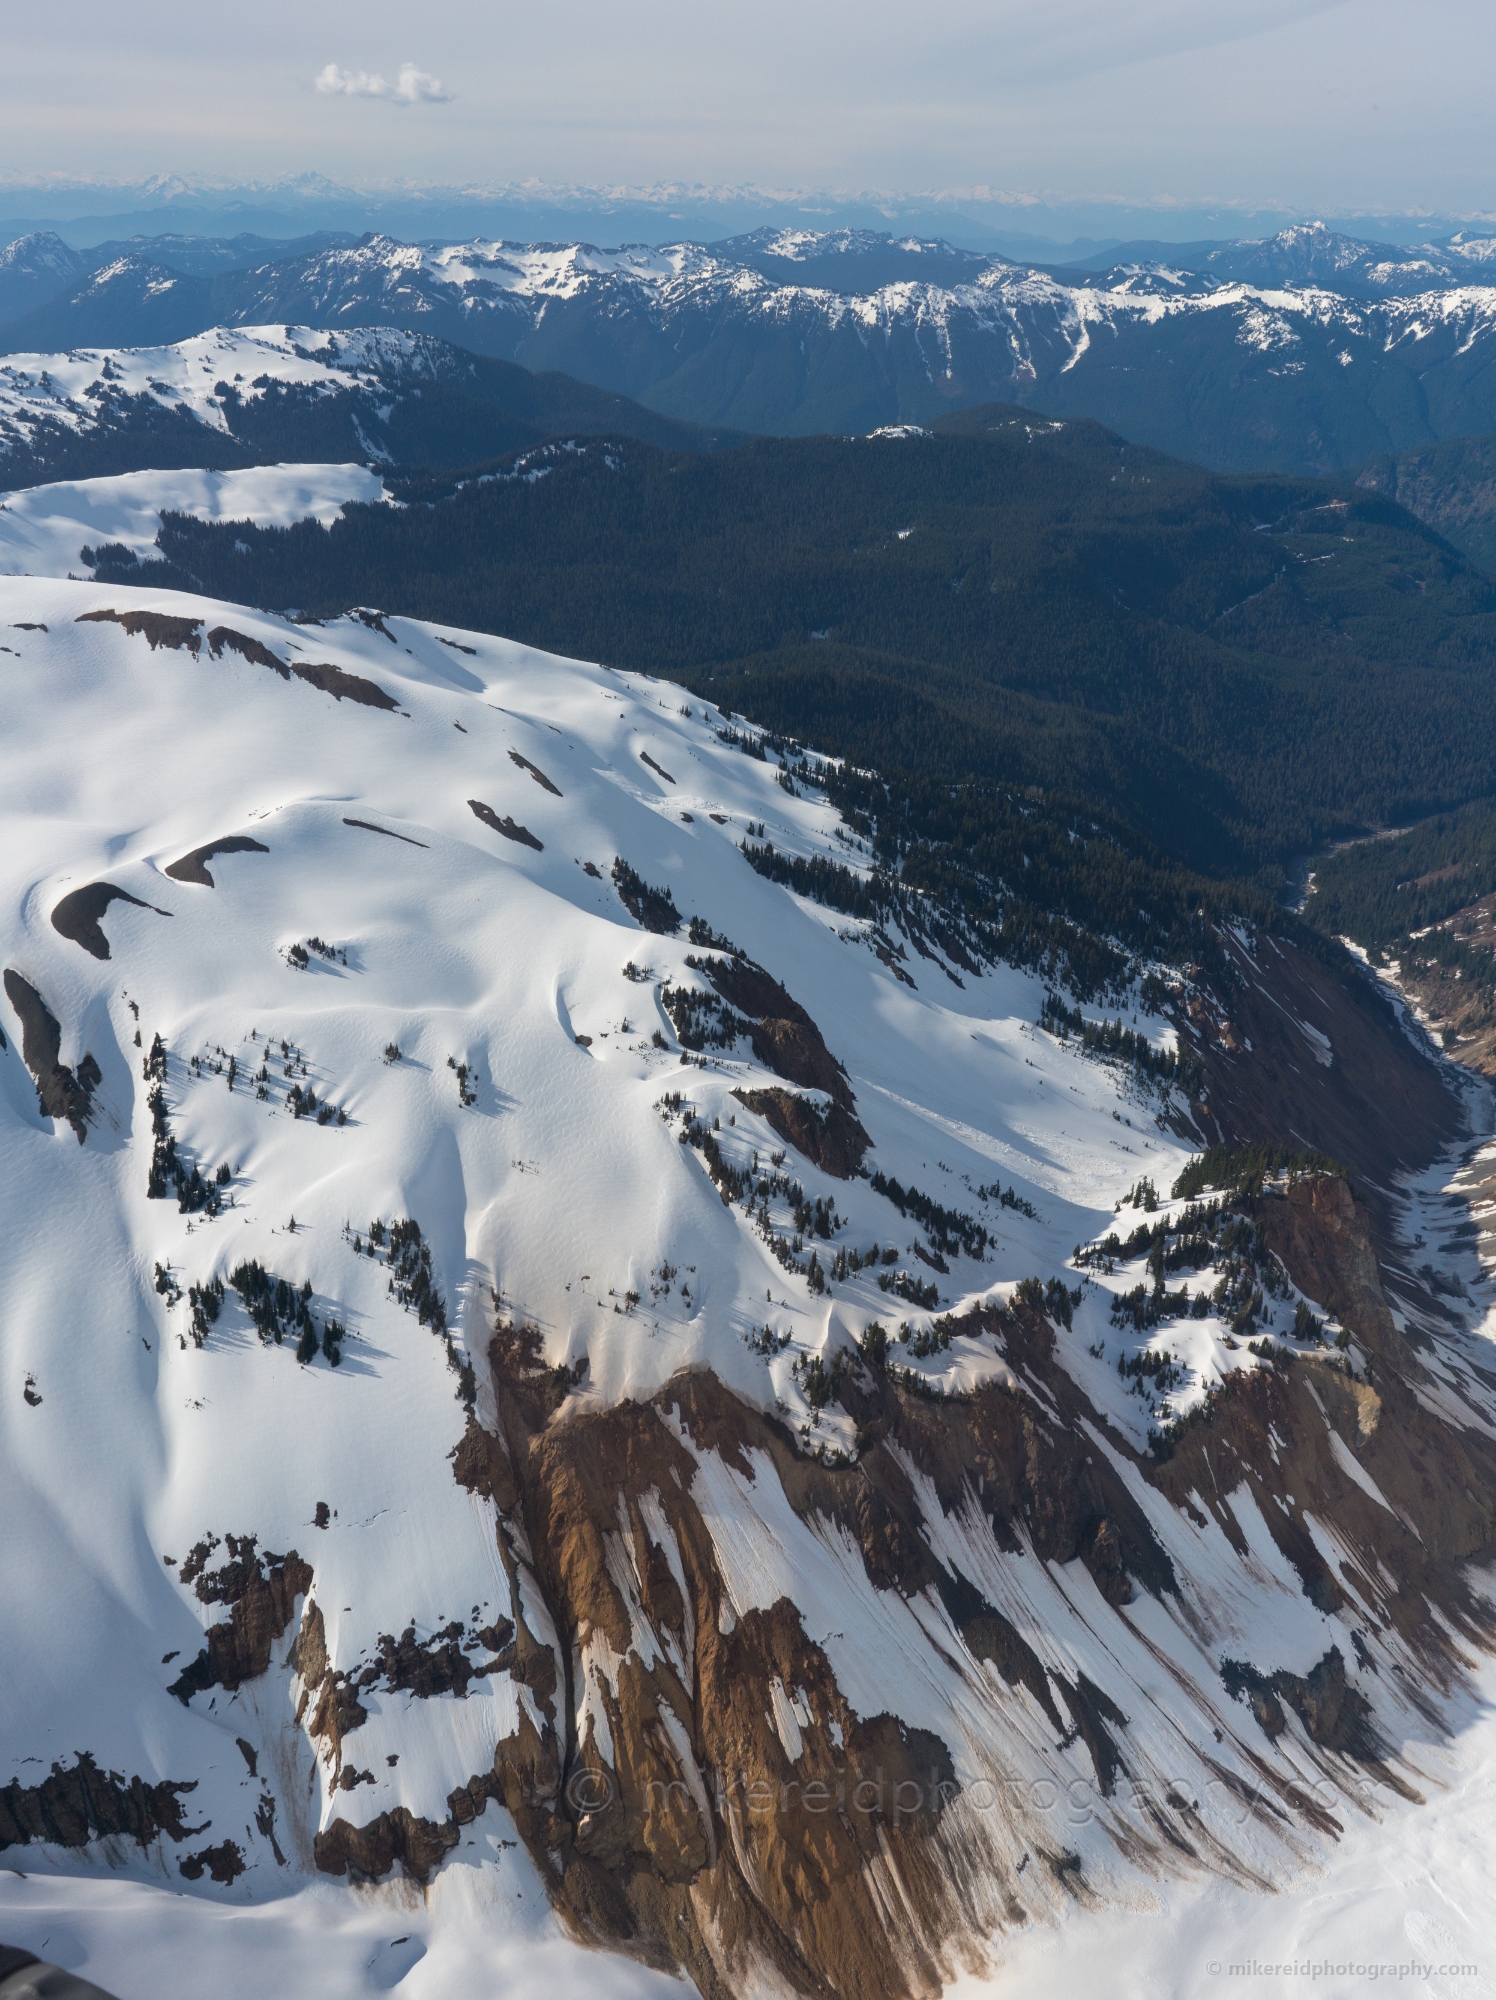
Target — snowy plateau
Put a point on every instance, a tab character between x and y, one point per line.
569	1413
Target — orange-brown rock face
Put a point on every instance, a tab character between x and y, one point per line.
712	1797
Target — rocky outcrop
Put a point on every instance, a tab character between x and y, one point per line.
365	1853
510	828
222	1864
787	1041
1302	1047
1333	1714
186	635
71	1807
719	1804
159	628
831	1138
60	1092
76	917
193	867
261	1592
1323	1235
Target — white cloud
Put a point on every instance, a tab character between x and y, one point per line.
411	86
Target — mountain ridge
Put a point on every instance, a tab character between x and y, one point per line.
784	1609
266	394
1284	373
1029	599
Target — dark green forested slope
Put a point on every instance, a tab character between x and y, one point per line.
1381	890
1452	486
1239	667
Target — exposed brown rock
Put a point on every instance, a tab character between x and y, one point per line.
716	1853
159	627
1381	1103
662	1848
832	1140
365	1853
1324	1239
71	1807
261	1591
788	1042
1333	1714
222	638
329	1708
185	635
59	1092
223	1863
343	686
193	867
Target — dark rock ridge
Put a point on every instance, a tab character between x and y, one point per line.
831	1138
511	829
77	915
193	867
535	771
787	1041
184	635
60	1093
73	1806
389	832
1333	1714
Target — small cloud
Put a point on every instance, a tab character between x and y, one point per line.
412	86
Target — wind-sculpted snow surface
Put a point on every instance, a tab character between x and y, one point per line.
45	529
455	1434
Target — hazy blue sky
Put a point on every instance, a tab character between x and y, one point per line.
1325	104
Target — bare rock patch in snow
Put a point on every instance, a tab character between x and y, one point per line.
77	916
510	828
525	765
193	867
61	1093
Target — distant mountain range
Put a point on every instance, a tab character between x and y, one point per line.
1308	352
40	267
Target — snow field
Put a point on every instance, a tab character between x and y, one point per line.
561	1187
43	529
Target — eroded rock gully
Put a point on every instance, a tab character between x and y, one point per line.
694	1771
704	1794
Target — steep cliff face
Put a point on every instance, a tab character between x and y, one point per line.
742	1793
741	1428
1306	1050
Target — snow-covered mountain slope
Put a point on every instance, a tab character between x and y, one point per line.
1307	253
1307	353
533	1355
33	269
260	394
45	529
